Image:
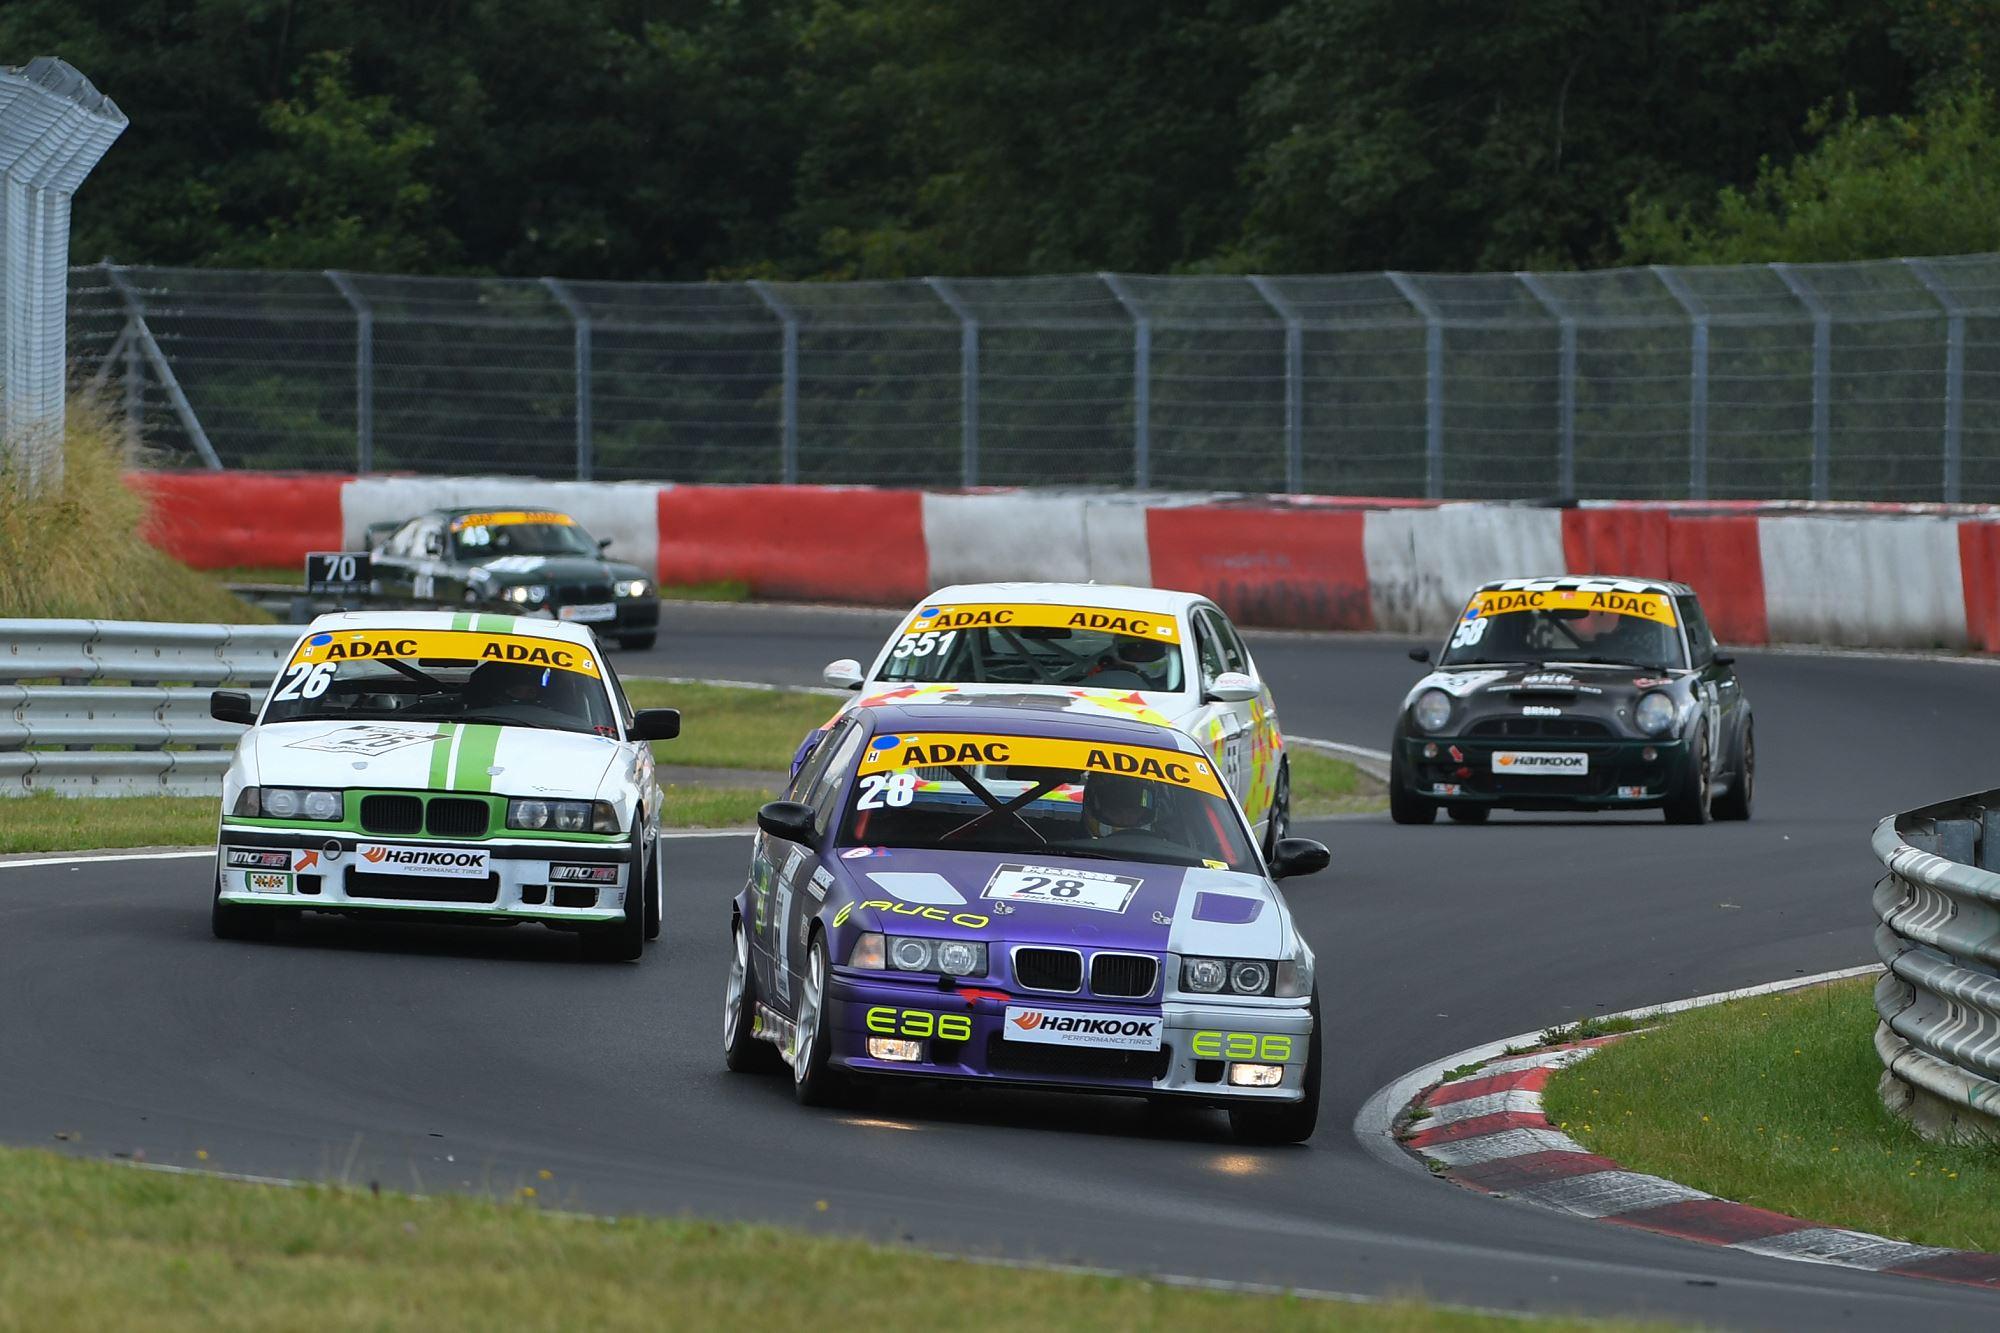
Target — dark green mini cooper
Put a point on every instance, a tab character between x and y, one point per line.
1575	693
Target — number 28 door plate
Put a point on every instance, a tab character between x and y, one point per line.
1057	887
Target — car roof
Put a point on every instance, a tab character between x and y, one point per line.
459	510
1113	596
530	626
1020	715
1589	583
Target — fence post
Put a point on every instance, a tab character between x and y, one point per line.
135	389
1142	381
585	442
1295	387
1822	372
1954	373
968	381
788	449
1697	314
1433	381
143	339
364	371
1565	386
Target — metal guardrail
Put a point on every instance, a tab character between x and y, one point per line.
1939	1001
55	730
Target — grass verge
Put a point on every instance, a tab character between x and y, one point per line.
92	1245
727	727
76	550
1771	1101
1323	785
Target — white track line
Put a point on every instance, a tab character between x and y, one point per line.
1374	1124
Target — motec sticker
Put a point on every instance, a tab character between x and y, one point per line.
1542	763
1068	1027
939	618
457	645
1053	887
507	518
1657	607
374	858
937	749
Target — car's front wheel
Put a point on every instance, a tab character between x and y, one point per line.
1285	1122
638	643
1735	803
1405	806
815	1079
742	1050
1278	824
233	921
623	940
1469	814
1692	797
656	893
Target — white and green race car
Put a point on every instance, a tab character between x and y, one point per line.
464	767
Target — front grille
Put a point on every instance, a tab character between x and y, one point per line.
1058	970
422	888
572	594
1546	728
456	817
1077	1062
1123	975
391	814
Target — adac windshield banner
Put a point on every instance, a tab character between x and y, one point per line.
1645	605
450	645
952	749
1011	615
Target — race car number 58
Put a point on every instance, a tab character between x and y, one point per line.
1062	888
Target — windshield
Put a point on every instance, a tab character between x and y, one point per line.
1563	625
1016	794
442	676
477	537
1087	646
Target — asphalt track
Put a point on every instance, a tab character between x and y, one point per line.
429	1058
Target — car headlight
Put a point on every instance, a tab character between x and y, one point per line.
290	803
1238	976
1433	710
1654	714
632	587
563	816
524	593
953	958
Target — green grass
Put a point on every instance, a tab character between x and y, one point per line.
46	822
1771	1101
726	727
1323	785
76	550
293	576
93	1246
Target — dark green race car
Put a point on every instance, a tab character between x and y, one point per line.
515	561
1576	693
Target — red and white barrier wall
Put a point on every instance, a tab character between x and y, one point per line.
1837	575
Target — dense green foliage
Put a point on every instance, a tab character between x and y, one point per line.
880	138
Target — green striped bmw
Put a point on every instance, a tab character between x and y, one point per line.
458	767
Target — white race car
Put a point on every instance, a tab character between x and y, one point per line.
1159	656
466	767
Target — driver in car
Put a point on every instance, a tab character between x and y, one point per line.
1140	658
1114	805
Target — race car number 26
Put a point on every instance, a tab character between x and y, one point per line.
1016	883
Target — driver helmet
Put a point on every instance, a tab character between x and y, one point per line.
1116	804
1129	651
504	682
1599	626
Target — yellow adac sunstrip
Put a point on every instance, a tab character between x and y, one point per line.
469	645
933	749
502	518
1652	606
1012	615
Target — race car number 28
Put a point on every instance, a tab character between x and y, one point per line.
1062	888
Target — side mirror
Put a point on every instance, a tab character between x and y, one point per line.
1725	659
1232	687
1299	856
1420	654
232	706
603	543
433	544
655	724
844	674
790	820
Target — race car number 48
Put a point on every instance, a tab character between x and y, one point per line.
1062	888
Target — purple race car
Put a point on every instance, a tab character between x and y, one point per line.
1013	891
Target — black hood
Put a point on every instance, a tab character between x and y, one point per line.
508	570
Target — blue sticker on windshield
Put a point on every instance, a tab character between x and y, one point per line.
885	742
927	613
319	639
1472	613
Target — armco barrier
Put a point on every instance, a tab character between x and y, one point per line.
1835	575
50	733
1939	1002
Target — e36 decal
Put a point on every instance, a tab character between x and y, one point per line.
919	1023
1270	1048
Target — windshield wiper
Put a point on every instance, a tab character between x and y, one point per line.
1605	661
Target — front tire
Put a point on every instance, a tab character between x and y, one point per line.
1469	814
742	1050
624	939
1734	804
1694	796
1278	824
1405	806
1284	1122
638	643
656	895
233	921
815	1080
